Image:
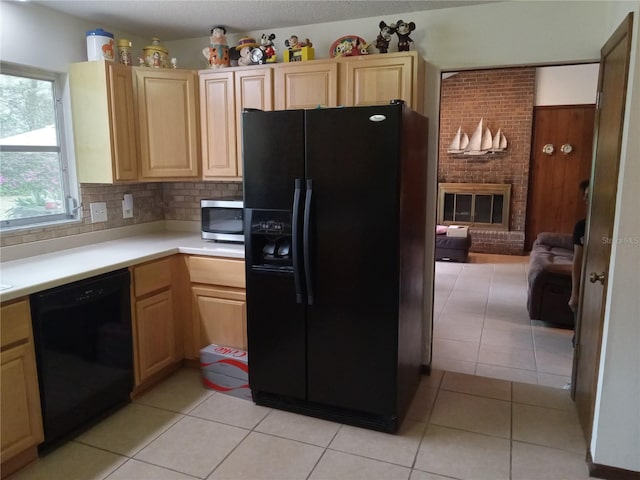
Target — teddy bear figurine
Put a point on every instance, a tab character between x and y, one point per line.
384	37
403	29
217	53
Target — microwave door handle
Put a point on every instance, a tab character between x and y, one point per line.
295	234
306	240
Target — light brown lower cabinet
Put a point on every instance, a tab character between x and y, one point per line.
156	331
20	412
218	303
221	316
156	339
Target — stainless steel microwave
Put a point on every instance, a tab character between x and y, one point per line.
222	220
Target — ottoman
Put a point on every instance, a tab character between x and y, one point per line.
455	249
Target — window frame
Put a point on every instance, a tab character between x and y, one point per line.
66	174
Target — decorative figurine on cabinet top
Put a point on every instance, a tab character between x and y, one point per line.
155	55
403	29
245	47
347	46
297	50
384	37
267	47
217	53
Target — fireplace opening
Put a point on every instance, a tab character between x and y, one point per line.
483	205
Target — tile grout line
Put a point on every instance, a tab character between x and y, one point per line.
511	435
484	318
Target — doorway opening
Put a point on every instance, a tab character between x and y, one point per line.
481	325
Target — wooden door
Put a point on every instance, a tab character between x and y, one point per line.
301	85
168	121
612	83
218	125
555	203
155	334
19	401
253	90
221	317
377	81
123	128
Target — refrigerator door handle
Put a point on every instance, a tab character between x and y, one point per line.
306	239
295	234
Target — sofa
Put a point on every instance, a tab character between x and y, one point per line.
549	279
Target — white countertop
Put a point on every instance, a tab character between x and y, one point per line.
36	273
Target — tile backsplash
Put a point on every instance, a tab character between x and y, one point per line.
151	202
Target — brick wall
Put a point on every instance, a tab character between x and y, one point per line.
151	202
504	98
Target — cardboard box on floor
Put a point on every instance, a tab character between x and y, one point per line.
225	370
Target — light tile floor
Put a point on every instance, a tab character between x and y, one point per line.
459	426
481	325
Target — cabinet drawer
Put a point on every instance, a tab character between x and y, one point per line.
217	271
152	276
16	323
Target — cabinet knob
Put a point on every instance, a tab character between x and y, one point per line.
595	277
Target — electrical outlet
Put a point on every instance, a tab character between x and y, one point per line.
98	212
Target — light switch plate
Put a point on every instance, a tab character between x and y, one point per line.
98	212
127	206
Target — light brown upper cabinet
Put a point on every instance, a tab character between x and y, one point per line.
223	96
104	123
306	85
378	79
167	102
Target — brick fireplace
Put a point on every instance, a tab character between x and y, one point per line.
504	98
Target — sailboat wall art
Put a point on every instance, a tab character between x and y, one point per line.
482	142
459	143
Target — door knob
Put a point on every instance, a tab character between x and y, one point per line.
594	277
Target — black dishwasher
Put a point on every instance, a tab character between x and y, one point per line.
84	352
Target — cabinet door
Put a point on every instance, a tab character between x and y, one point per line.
218	125
168	121
104	123
306	85
155	334
20	401
20	412
123	128
377	81
221	317
253	90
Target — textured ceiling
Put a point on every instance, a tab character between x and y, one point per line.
180	19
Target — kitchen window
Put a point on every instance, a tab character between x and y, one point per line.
34	175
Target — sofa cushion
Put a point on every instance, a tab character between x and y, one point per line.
552	239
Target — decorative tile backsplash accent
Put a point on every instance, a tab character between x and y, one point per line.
182	199
151	202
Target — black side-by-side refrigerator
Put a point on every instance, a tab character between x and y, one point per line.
335	211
